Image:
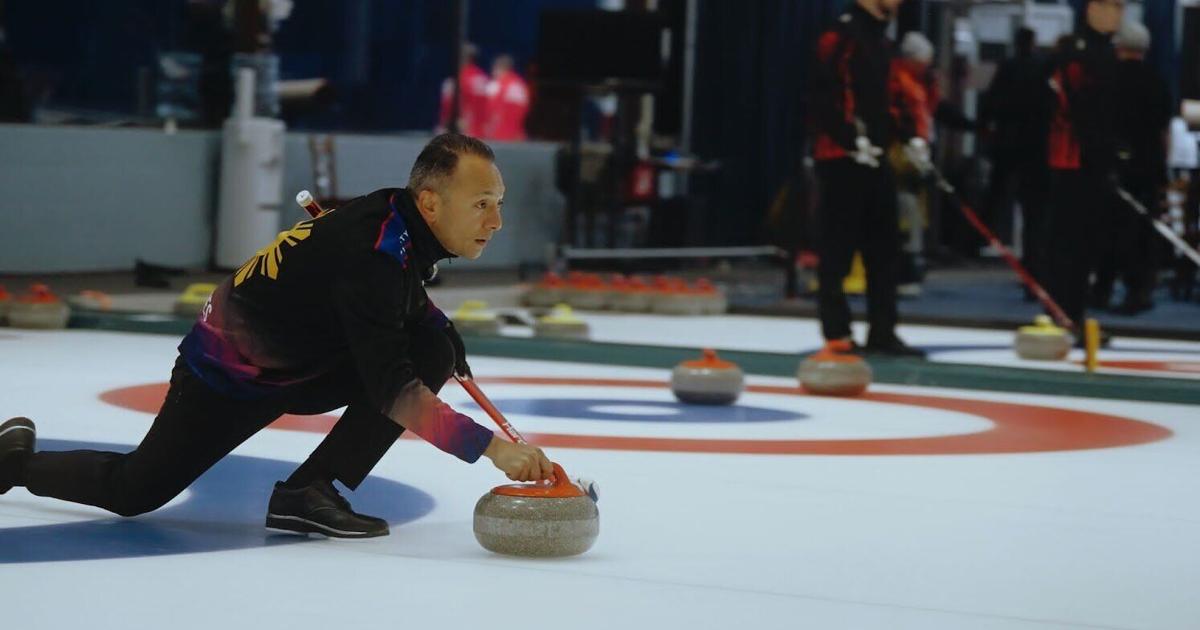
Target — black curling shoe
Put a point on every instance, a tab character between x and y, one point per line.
17	439
318	509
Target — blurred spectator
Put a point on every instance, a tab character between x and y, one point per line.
508	102
1014	116
472	113
1142	104
916	104
1081	153
914	100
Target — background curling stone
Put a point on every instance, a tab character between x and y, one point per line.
5	304
547	292
833	371
672	297
89	300
193	299
39	308
633	296
1043	341
586	291
713	300
707	381
537	520
473	318
561	323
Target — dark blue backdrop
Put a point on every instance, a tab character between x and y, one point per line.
386	57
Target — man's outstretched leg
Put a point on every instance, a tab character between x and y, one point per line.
194	429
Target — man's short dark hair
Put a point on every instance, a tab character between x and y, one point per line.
438	159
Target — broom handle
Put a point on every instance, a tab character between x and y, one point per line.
310	205
1164	230
482	400
1060	317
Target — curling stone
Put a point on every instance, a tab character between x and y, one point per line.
546	293
193	299
633	296
473	318
707	381
1043	341
614	288
5	304
39	309
712	299
89	300
561	323
833	371
672	297
586	292
537	520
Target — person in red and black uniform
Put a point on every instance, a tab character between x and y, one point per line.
1082	152
332	314
852	122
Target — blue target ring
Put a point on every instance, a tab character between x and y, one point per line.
224	511
614	409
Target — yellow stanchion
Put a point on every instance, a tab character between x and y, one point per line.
1091	345
855	282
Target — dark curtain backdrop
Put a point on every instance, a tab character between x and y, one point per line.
752	63
387	58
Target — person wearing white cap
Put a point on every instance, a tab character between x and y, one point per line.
1142	113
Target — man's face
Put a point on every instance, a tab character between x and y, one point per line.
1104	16
465	214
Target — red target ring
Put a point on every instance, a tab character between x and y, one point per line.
1016	427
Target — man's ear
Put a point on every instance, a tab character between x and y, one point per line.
428	203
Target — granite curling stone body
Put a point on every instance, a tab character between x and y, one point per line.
1043	341
707	381
833	371
474	318
538	520
39	308
561	323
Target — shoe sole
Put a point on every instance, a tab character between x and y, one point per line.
286	524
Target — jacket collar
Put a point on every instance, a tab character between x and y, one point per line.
427	250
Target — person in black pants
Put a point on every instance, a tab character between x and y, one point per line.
852	120
1143	113
1014	112
1081	153
333	313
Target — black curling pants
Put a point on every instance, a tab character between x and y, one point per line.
857	213
197	426
1082	209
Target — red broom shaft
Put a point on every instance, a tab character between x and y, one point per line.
491	410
